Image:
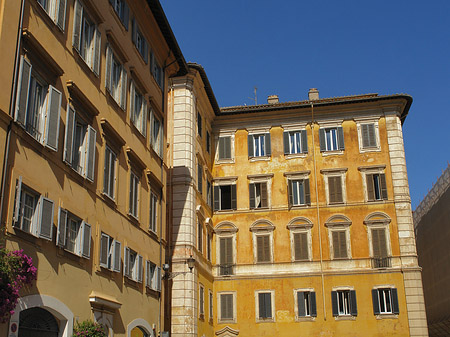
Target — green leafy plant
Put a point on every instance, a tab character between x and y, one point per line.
89	329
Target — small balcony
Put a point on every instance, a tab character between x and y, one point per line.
226	269
381	262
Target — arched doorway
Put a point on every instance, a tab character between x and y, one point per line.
37	322
138	332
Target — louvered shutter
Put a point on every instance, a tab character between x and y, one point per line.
353	307
148	276
365	135
61	14
339	244
264	195
312	303
250	146
125	18
335	189
97	51
222	147
90	154
261	305
370	187
22	91
139	266
383	186
104	250
290	193
62	226
123	96
145	51
233	197
251	190
229	251
334	304
144	123
77	25
70	127
268	146
286	146
17	202
216	198
46	219
301	304
158	278
376	242
86	241
133	30
375	302
395	307
301	246
304	136
132	103
340	138
52	120
161	140
108	70
126	261
227	147
116	257
372	135
226	306
323	146
259	249
307	192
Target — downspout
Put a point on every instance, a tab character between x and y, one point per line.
318	214
11	113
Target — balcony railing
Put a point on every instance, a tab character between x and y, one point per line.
381	262
226	269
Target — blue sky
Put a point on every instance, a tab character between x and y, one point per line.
340	47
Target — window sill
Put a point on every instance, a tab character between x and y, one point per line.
295	155
153	234
224	211
387	316
261	158
345	318
227	321
342	203
332	153
114	102
299	206
110	201
201	317
260	209
211	321
225	161
380	201
152	292
83	63
133	283
373	149
305	319
265	320
133	219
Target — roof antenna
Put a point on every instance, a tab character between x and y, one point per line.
256	98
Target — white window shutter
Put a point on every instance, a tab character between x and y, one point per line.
158	278
104	250
126	261
123	97
97	50
52	119
70	129
90	153
161	139
60	14
46	219
108	75
132	102
62	226
77	23
17	202
23	88
85	250
34	228
116	256
144	117
139	268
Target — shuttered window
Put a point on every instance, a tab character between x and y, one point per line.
258	195
74	234
38	106
295	142
385	301
299	192
331	139
265	305
138	109
379	245
339	244
122	10
116	78
134	195
109	172
201	300
368	134
154	210
263	248
199	124
133	265
301	250
56	10
335	190
224	147
86	38
259	145
225	197
153	276
226	307
200	237
376	187
306	301
110	253
157	134
156	70
343	303
226	256
139	40
200	178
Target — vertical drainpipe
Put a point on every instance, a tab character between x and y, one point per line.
318	213
11	113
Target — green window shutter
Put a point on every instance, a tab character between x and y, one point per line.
334	304
133	30
233	197
301	304
312	303
375	302
268	146
221	147
251	190
52	120
250	146
287	150
262	308
259	249
268	305
353	307
384	193
304	136
335	189
379	242
22	91
372	136
340	134
290	195
395	307
370	187
264	195
307	192
216	198
339	244
322	140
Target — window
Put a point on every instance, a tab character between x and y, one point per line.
132	265
299	192
200	237
154	210
110	253
295	142
339	244
138	109
134	195
33	213
208	245
156	70
74	234
209	193
263	248
201	301
208	142
79	147
227	308
122	11
259	145
343	303
86	38
258	195
109	174
331	139
335	186
339	236
301	250
56	9
300	238
211	305
199	178
157	134
116	78
153	276
306	303
376	187
139	40
225	148
225	197
385	301
226	256
199	124
369	137
38	106
264	304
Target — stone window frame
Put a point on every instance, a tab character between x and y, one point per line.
327	124
272	304
296	176
300	225
297	127
339	222
303	318
382	221
225	133
262	227
219	307
258	131
368	120
226	229
375	169
326	173
262	178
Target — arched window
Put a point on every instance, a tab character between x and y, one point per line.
139	332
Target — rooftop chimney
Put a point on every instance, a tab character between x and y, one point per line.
272	99
313	94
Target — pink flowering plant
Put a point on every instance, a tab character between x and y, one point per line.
89	329
16	271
